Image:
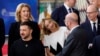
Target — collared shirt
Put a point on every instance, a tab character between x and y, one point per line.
73	28
96	24
67	8
99	9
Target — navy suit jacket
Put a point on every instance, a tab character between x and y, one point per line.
59	15
87	26
75	44
96	46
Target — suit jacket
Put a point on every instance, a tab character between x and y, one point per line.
87	26
75	44
14	33
96	46
59	15
2	35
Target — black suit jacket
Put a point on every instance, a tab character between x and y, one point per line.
75	44
2	35
14	33
59	15
87	26
96	46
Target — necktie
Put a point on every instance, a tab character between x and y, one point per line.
70	10
94	29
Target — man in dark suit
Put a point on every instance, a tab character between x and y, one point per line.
92	26
76	42
59	13
96	46
2	35
89	26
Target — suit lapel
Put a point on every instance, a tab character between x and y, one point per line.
64	10
98	30
88	26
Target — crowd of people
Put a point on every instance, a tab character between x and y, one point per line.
60	35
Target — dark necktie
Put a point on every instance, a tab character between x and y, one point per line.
94	29
70	10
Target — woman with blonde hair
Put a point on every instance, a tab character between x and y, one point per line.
22	14
54	36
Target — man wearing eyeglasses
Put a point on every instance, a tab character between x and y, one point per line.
92	25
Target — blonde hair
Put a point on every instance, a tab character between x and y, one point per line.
43	27
44	30
18	10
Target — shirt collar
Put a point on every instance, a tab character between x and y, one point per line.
73	28
66	6
93	22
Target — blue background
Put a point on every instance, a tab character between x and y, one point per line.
8	7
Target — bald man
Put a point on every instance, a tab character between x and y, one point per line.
76	42
96	3
92	26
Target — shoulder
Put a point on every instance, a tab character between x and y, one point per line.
75	9
58	9
63	29
37	41
14	23
79	30
33	22
17	42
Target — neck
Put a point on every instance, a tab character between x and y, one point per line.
27	39
74	25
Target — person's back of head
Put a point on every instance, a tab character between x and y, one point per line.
72	17
71	20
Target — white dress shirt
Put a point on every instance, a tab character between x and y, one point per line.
67	8
96	24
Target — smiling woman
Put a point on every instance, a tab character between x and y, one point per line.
53	36
23	14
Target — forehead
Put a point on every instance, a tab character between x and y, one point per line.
24	27
24	8
91	9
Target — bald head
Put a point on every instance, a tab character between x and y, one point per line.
72	17
92	12
71	20
92	8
